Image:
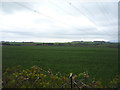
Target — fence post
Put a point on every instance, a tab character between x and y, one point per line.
71	79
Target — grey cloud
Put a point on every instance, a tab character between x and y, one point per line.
103	15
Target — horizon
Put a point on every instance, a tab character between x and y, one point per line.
58	41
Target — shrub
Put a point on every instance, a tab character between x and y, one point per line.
36	77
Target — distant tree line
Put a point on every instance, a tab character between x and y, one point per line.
74	43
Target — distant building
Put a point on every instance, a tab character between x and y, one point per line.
27	42
77	41
100	42
48	44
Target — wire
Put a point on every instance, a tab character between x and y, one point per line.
87	10
104	11
77	9
105	15
35	11
59	7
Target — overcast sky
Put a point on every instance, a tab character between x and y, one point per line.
58	21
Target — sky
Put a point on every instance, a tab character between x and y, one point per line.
58	21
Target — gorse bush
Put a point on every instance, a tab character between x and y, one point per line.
36	77
115	82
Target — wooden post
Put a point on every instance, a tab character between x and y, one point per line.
71	79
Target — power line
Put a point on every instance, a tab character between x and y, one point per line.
59	7
77	9
87	10
35	11
105	15
103	10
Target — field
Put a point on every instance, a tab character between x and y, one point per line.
100	63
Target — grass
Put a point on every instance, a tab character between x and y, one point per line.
100	63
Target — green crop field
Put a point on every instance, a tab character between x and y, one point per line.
100	63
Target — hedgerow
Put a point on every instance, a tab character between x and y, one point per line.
36	77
